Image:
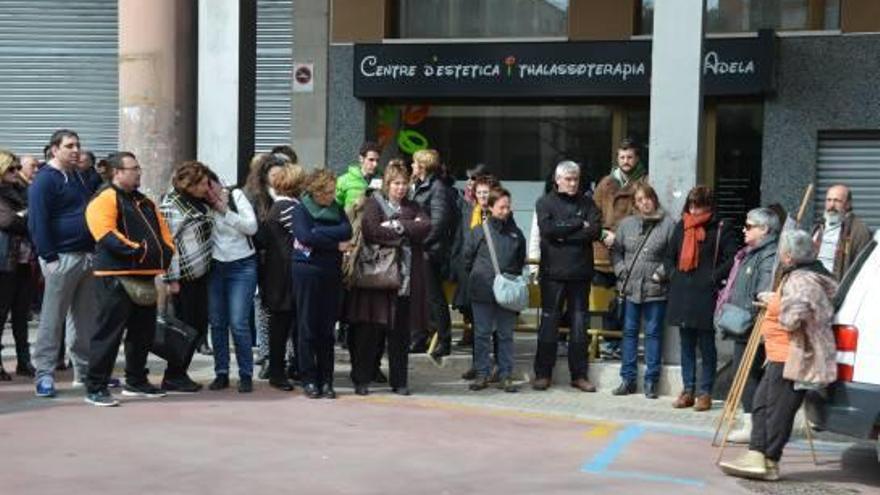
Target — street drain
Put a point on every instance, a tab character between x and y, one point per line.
795	488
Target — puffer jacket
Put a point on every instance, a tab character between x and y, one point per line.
806	311
568	227
642	285
434	198
510	248
616	201
755	275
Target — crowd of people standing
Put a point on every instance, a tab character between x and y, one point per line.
371	251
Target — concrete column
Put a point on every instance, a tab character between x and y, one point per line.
311	39
157	71
227	54
676	98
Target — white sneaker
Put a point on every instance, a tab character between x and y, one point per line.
744	433
77	384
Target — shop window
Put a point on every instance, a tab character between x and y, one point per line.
516	142
480	18
739	16
739	130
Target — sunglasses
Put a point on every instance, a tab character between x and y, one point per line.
14	168
750	226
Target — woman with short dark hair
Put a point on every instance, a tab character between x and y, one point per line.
509	246
701	254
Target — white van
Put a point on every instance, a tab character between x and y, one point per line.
851	406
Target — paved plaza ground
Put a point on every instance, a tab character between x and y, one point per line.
444	439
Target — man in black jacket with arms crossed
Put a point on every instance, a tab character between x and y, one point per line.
568	222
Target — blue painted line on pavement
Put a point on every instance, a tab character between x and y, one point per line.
603	459
599	464
637	475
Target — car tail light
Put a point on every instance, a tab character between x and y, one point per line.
847	337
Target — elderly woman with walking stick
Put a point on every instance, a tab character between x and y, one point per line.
735	313
801	354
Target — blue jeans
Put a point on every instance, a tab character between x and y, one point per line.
691	338
653	313
230	303
489	318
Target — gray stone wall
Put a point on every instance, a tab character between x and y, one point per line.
823	83
346	115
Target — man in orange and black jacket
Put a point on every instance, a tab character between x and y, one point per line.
133	246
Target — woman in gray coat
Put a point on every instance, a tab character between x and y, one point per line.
751	274
638	254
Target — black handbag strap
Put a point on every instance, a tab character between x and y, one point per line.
491	246
717	243
635	258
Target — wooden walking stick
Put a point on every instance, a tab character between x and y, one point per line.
734	396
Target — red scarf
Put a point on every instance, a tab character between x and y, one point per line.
694	235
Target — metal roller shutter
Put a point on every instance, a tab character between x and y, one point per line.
851	158
274	63
59	69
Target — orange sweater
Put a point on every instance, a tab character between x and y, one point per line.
775	334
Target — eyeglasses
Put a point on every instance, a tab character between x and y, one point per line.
750	226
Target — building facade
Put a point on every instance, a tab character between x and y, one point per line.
788	88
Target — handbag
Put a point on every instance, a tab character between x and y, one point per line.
141	290
733	321
174	340
510	291
618	304
377	267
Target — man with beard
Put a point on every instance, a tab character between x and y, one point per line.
841	236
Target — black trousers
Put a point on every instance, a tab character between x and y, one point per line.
282	326
553	294
776	404
318	298
755	373
117	314
16	294
438	308
191	307
369	342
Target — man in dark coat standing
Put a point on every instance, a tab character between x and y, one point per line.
568	222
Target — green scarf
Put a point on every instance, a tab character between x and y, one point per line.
323	213
624	179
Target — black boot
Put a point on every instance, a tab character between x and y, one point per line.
625	388
25	368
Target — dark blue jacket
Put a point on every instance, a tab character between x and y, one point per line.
91	179
56	214
316	242
510	248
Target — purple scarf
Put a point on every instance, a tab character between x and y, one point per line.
725	293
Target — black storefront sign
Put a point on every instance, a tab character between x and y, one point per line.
733	66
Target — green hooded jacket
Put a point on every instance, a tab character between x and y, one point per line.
350	186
